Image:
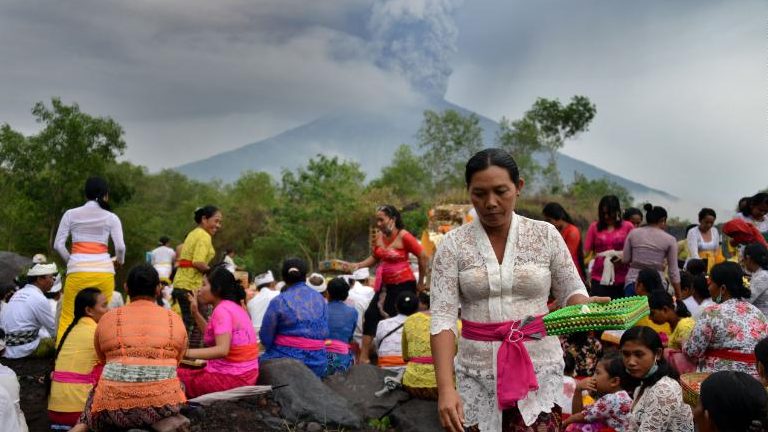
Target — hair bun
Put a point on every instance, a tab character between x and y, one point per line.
648	207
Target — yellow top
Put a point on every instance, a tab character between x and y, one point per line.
77	355
416	344
682	333
659	328
198	247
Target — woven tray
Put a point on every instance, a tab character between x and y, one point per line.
691	384
619	314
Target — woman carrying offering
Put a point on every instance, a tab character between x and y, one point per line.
500	269
232	349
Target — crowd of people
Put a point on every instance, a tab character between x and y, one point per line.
473	339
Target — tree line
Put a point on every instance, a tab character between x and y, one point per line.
321	210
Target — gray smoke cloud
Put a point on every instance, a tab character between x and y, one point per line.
417	39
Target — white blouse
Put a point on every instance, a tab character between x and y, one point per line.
467	275
661	409
696	242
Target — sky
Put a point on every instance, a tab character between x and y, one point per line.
680	87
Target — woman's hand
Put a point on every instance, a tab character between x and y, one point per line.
451	410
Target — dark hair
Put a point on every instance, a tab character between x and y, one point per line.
570	363
338	289
654	214
407	303
424	298
648	337
632	211
761	352
696	266
489	157
612	205
224	285
87	297
294	271
96	188
754	201
690	227
741	207
392	213
725	393
555	211
686	279
701	286
614	365
142	281
730	275
205	212
229	249
164	240
707	212
659	299
650	279
758	253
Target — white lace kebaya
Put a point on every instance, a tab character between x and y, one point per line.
466	274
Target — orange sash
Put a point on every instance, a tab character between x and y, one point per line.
243	353
91	248
391	361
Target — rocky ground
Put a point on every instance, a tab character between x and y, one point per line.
300	402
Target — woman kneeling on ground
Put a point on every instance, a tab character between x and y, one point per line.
232	349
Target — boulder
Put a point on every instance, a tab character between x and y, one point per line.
303	396
358	386
11	265
416	415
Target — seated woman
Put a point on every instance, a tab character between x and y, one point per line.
647	282
726	333
141	345
232	349
295	324
658	400
419	378
723	394
665	311
342	320
76	367
389	333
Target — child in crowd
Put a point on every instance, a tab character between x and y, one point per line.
649	281
665	311
700	297
569	385
611	410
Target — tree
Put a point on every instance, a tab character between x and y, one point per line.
50	168
585	190
557	123
521	139
406	176
449	140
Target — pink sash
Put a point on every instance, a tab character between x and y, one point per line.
336	346
300	342
421	360
515	374
78	378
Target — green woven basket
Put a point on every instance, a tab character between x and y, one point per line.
619	314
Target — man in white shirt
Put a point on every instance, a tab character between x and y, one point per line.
359	298
27	313
163	258
257	306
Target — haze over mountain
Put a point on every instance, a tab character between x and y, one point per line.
370	139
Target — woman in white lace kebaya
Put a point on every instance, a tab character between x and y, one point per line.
500	270
658	401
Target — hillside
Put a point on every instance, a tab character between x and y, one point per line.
369	139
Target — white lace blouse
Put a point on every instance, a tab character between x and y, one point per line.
467	275
661	409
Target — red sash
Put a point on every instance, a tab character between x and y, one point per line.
89	248
726	354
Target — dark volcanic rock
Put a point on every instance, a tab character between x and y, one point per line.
416	415
358	386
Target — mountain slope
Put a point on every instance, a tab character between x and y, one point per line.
369	139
